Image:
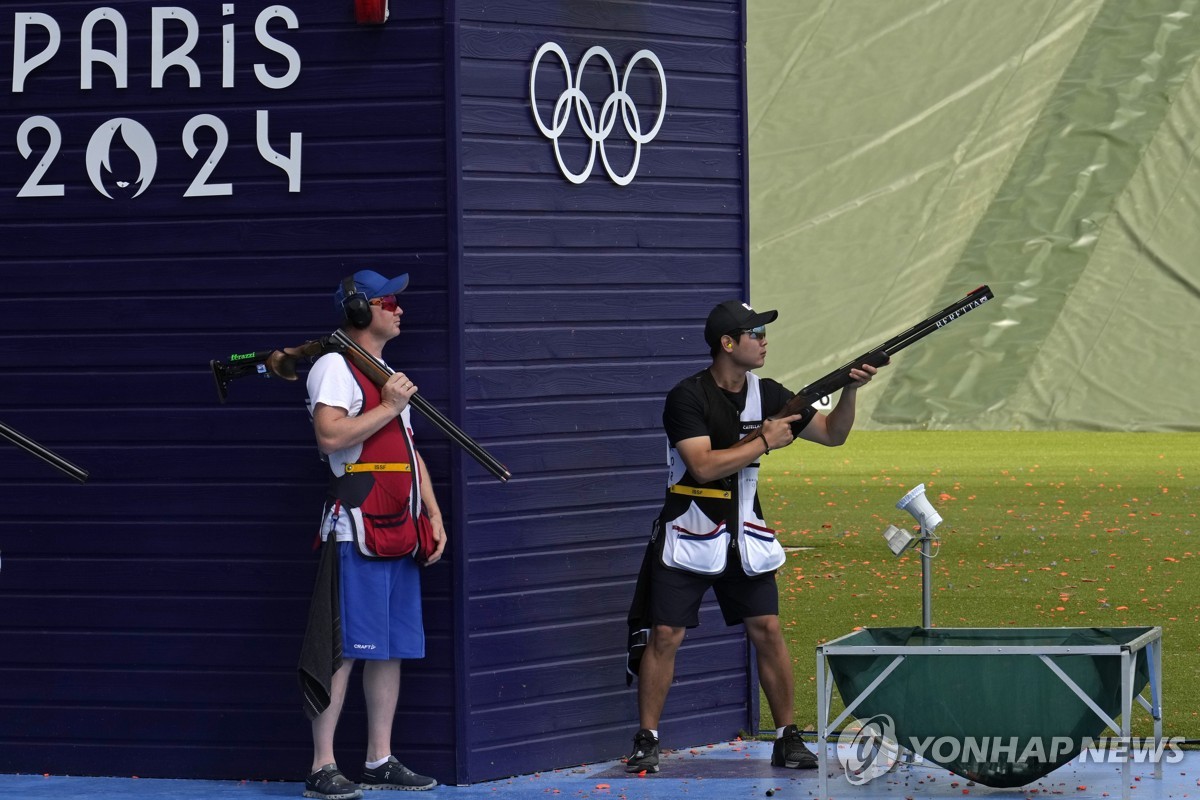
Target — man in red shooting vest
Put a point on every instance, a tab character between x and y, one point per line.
380	496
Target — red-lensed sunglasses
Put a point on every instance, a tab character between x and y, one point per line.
387	303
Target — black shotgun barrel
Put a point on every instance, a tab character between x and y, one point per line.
443	423
878	356
49	456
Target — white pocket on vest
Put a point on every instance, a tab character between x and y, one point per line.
695	543
761	551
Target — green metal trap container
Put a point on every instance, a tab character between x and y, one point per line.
999	706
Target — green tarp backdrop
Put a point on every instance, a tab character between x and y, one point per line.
904	152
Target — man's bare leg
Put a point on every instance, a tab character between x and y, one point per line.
324	726
774	667
381	685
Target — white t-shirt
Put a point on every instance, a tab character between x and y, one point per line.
330	382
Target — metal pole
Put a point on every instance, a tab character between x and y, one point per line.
926	589
823	698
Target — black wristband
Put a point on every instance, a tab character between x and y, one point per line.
767	445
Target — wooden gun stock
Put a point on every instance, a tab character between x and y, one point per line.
876	356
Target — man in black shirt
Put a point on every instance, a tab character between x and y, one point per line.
711	530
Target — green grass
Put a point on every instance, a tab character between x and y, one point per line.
1045	529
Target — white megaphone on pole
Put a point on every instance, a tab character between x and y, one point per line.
917	504
898	540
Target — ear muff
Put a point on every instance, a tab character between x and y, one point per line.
355	305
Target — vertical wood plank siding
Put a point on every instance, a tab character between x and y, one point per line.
152	617
582	305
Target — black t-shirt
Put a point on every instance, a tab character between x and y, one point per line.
683	413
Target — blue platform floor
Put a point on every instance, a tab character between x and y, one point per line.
728	771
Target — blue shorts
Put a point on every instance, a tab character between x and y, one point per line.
381	606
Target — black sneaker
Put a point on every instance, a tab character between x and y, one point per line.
328	783
789	751
394	775
645	753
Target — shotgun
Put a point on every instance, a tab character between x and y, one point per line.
281	363
876	356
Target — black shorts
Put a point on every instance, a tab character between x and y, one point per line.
675	594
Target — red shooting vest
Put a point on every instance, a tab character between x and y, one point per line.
394	523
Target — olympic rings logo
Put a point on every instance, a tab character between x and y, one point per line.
574	99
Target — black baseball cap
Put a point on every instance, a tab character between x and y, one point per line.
732	316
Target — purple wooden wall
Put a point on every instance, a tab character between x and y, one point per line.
152	616
582	304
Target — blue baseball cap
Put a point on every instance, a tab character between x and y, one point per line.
371	284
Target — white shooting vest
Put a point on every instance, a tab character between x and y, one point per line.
696	543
